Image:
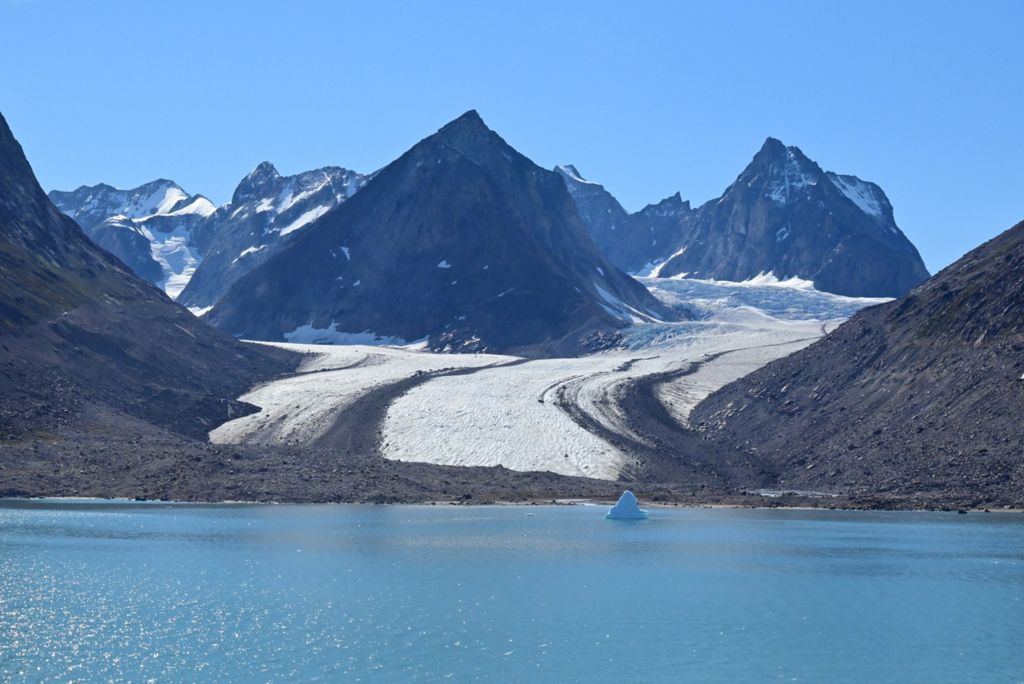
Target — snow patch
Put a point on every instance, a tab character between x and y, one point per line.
570	171
304	220
200	206
656	271
768	278
792	180
247	251
619	309
867	196
177	258
307	334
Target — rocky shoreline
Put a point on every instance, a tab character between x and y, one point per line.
106	456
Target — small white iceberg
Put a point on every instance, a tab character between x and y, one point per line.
626	508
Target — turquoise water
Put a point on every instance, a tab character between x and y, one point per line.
138	592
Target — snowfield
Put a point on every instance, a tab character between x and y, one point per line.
547	414
299	409
510	416
500	416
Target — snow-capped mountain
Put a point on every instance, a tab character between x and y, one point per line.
462	242
164	234
149	227
91	205
265	210
783	215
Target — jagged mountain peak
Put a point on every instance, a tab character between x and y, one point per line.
570	171
772	146
782	173
674	203
265	210
264	175
264	169
783	214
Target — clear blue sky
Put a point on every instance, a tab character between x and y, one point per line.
924	98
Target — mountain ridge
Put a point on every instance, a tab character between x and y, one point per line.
783	214
493	238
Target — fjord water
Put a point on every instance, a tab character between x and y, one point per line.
93	591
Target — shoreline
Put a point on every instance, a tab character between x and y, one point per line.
892	506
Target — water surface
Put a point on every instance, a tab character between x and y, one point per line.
137	592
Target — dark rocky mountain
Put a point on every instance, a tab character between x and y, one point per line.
462	241
265	210
922	396
633	242
81	333
783	215
149	228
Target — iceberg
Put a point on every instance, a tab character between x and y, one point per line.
626	508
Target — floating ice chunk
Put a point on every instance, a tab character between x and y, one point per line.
626	508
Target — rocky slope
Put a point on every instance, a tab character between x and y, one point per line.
634	242
79	330
783	215
462	242
921	396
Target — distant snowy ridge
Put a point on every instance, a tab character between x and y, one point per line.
182	229
149	227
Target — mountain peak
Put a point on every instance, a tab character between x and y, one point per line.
263	175
772	145
263	170
471	116
782	171
470	138
673	204
570	171
467	126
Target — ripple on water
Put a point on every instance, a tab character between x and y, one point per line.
322	593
